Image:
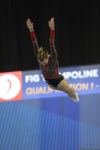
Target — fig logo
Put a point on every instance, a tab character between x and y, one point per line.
10	86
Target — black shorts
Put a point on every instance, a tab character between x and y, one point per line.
56	81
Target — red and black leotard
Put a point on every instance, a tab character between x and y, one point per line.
51	69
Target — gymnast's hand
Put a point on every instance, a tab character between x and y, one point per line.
30	25
51	23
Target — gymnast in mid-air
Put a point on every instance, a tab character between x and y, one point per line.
48	61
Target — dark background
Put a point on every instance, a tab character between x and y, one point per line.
77	32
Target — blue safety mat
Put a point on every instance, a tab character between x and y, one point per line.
51	124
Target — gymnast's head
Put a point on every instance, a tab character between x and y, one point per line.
43	56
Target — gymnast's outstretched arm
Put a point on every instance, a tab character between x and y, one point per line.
51	24
30	26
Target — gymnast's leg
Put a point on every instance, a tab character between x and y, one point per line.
65	87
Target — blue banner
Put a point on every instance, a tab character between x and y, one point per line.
84	79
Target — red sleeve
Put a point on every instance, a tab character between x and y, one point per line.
34	42
52	36
52	44
33	36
